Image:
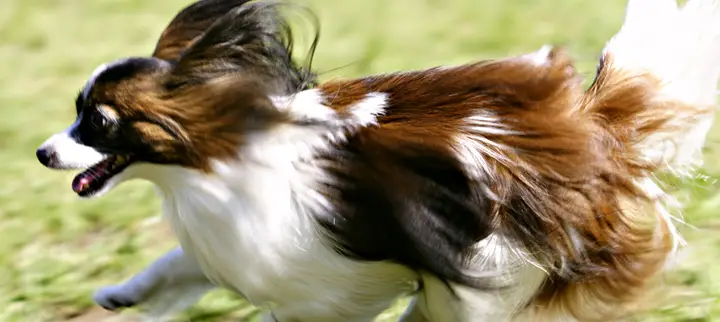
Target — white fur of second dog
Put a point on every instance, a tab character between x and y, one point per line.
681	47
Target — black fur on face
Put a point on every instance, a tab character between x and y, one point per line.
100	123
212	71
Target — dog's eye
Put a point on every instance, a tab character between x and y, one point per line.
98	120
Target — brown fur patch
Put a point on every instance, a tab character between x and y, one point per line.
207	87
630	240
192	125
560	166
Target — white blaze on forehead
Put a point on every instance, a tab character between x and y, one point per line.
91	82
96	73
68	152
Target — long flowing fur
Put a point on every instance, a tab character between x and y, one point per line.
655	97
490	191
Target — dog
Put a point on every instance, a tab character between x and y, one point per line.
498	190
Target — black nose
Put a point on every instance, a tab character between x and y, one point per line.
45	156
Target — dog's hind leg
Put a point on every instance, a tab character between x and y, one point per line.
170	284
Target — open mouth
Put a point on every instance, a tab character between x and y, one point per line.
94	178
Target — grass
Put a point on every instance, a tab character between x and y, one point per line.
55	249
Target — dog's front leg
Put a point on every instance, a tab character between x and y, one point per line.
413	313
170	284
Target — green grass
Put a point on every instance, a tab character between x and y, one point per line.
56	249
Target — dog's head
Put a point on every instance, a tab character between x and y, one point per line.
206	88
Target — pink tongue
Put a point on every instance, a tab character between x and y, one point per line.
81	182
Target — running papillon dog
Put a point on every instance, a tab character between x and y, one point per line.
498	190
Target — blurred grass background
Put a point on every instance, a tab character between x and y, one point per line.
55	249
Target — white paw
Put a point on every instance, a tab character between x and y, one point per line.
116	297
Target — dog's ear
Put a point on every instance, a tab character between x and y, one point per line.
252	40
190	24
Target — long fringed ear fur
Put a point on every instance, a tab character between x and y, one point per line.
189	24
251	40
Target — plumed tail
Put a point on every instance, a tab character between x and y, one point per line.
655	96
657	82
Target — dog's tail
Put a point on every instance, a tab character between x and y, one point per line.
656	86
655	94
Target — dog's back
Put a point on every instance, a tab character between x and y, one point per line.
534	174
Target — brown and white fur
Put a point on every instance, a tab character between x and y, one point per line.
492	191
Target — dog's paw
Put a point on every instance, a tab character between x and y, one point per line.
116	297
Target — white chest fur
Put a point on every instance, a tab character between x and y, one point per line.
250	229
